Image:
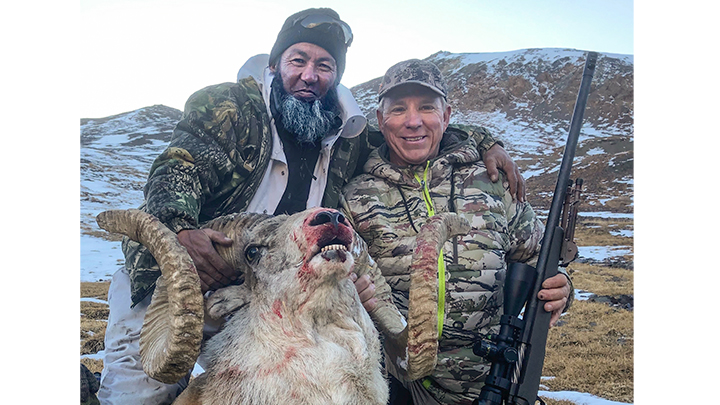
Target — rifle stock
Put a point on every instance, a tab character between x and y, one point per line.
516	381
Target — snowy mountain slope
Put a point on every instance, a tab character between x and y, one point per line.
115	157
524	97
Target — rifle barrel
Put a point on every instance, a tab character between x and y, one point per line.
552	229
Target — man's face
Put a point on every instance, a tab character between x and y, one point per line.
308	71
412	120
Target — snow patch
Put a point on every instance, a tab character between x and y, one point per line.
606	214
579	398
96	300
600	253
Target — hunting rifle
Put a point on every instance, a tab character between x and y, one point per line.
517	351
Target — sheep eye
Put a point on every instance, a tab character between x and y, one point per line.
251	252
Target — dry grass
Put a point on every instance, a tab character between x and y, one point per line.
602	280
592	231
94	290
592	351
95	366
592	348
91	327
93	321
94	310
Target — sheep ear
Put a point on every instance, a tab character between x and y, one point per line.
227	300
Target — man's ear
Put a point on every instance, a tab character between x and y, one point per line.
273	68
446	116
379	116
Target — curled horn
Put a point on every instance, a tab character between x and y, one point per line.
172	329
422	329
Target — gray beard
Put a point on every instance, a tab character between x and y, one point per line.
308	121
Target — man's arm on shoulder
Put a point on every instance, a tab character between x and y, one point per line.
525	231
370	139
495	157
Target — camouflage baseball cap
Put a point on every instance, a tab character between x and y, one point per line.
413	71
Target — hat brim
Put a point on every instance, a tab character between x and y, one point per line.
384	92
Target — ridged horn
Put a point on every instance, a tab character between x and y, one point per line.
422	327
172	329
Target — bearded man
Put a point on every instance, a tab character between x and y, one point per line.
285	137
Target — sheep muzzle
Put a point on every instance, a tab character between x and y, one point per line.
327	233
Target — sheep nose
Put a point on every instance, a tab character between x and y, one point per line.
333	217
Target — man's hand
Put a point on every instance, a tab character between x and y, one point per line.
366	291
214	272
556	291
496	157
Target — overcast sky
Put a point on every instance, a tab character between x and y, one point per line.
136	53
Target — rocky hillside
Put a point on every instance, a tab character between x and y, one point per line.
524	97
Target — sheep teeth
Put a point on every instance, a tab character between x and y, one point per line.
334	247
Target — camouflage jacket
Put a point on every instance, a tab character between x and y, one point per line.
387	208
216	159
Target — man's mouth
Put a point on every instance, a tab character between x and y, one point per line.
305	94
414	138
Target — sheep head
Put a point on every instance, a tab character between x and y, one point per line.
312	245
296	260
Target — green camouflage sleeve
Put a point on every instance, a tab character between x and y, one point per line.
204	163
526	232
482	136
176	203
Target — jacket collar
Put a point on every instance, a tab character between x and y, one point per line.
454	150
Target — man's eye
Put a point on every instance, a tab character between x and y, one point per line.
251	253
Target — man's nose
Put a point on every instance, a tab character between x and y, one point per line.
413	119
308	74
